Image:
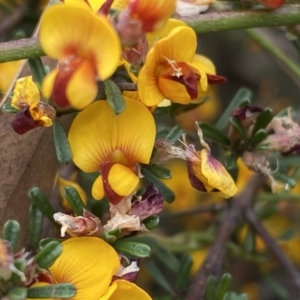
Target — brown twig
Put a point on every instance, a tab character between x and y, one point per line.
255	223
216	253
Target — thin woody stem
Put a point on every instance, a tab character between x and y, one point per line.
210	22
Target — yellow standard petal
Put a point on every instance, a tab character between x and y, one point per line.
124	290
122	180
68	31
88	263
97	135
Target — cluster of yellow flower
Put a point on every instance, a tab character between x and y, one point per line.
90	44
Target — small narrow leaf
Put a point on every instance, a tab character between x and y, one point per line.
214	134
74	200
46	241
9	109
231	165
237	124
37	70
244	103
160	172
132	248
259	136
167	193
159	277
61	290
241	95
62	147
174	134
151	222
35	226
262	120
16	276
249	241
42	202
183	272
210	288
291	182
47	256
17	293
11	233
223	286
166	257
114	96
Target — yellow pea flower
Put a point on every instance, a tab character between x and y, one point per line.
114	145
89	264
34	113
87	47
173	71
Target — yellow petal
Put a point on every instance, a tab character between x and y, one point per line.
155	36
98	189
97	133
72	31
214	176
48	83
25	93
82	87
122	180
180	45
47	122
88	263
8	71
124	290
148	90
176	91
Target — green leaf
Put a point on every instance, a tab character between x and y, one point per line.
234	296
249	241
151	222
37	70
74	200
244	103
158	276
42	202
17	293
263	119
210	288
35	226
259	136
62	147
132	248
285	179
9	109
241	95
214	134
166	257
223	286
114	96
45	241
230	163
61	290
174	134
159	171
11	233
237	124
183	272
167	193
47	256
20	266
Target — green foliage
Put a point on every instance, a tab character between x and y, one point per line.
48	254
114	96
132	248
61	290
62	147
74	200
11	233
